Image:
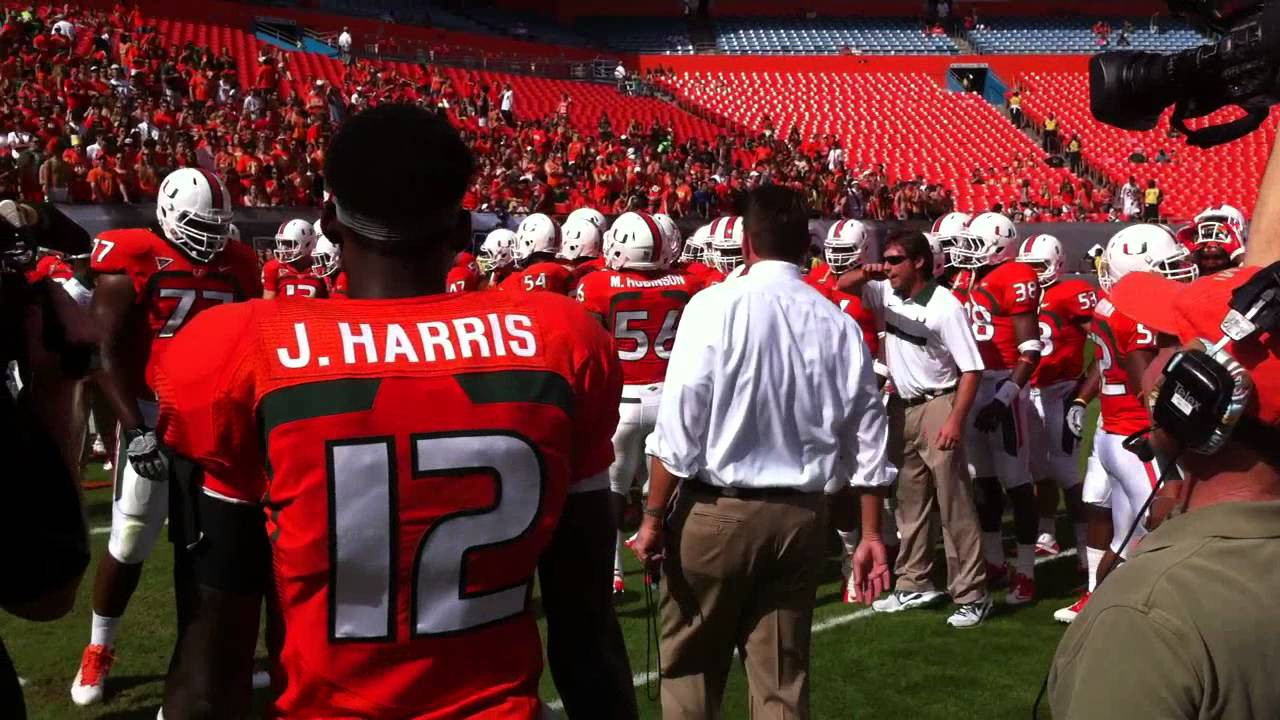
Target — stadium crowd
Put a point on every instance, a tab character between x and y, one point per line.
97	107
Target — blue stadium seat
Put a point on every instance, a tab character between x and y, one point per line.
827	36
1070	35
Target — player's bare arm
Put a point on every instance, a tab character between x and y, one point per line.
113	300
585	649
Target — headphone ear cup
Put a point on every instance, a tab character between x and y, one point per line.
1201	397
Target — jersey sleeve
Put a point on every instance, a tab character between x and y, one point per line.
1080	303
512	282
271	276
559	279
120	253
1021	291
597	391
1131	336
206	387
593	295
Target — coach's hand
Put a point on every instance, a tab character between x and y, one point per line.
869	577
145	457
649	545
950	434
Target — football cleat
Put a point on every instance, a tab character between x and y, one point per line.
261	679
95	665
1047	545
900	600
618	586
1068	614
107	466
99	447
997	576
1022	589
970	614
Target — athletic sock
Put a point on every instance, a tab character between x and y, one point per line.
993	548
104	630
849	539
1093	556
617	555
1082	546
1026	562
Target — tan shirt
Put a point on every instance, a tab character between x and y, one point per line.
1188	628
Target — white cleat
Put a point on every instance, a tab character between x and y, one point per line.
900	600
95	666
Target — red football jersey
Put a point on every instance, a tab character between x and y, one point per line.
51	267
583	269
1115	335
1008	289
462	278
169	290
289	281
711	277
542	276
641	310
1066	307
420	454
337	284
851	305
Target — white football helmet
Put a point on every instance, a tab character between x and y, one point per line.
537	233
695	248
326	258
635	243
1145	248
947	229
591	215
193	208
670	238
939	255
1044	253
989	239
233	233
295	240
581	240
496	251
725	236
1215	224
845	242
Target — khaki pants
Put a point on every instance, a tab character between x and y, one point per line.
740	573
930	478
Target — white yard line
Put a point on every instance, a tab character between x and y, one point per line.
640	678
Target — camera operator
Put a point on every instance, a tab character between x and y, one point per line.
1183	629
41	429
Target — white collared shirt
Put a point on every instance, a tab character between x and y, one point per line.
770	385
927	339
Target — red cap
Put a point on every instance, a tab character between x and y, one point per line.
1193	311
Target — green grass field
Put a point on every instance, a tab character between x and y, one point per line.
863	665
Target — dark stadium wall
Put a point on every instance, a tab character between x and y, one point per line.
1006	66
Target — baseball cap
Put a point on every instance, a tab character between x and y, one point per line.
1195	311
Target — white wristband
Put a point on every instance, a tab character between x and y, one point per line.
880	368
1030	346
1007	391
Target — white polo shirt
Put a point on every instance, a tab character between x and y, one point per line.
770	385
927	339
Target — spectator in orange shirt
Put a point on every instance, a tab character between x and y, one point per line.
103	184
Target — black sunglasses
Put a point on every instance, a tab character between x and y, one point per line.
894	259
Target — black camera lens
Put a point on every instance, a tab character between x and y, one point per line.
1129	89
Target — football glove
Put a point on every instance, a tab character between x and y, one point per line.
143	450
993	413
1075	418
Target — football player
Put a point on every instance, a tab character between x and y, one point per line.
947	231
581	246
537	242
149	285
326	263
404	538
495	261
724	242
842	252
1215	239
1003	301
639	302
1066	307
693	255
1124	350
289	273
51	265
463	276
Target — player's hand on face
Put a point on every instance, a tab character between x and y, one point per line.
144	454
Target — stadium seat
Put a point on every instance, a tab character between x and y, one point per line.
891	36
1072	35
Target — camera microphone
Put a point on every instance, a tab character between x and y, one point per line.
1140	444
